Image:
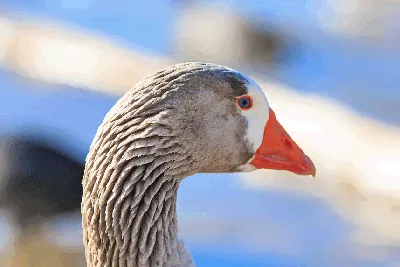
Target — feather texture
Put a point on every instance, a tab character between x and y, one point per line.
157	134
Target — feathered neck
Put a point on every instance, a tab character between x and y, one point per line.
130	188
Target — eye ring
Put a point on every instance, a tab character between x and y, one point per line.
244	102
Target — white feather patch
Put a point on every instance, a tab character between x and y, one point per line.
257	117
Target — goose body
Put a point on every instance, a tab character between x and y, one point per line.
185	119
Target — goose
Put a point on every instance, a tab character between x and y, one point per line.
188	118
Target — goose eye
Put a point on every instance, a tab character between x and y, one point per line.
245	102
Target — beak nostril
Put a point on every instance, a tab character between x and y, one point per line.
288	143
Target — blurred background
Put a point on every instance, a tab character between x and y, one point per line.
330	69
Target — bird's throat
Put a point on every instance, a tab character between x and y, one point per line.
129	209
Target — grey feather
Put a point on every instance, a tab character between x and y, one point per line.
177	122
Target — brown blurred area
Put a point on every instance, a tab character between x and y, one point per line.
357	157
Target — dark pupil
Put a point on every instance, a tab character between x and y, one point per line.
244	102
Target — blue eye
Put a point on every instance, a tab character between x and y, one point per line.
245	102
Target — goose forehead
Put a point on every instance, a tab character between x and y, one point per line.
257	116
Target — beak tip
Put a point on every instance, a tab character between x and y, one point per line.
310	173
310	167
314	172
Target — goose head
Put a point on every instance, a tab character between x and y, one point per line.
185	119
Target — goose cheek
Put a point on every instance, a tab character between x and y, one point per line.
278	151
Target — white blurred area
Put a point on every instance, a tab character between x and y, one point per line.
58	53
357	158
374	21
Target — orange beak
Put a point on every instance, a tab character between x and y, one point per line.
279	152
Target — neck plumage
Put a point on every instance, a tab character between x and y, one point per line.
130	190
